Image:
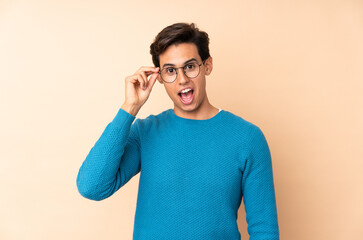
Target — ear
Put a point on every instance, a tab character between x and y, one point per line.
208	65
159	79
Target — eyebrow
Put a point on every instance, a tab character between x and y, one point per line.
170	64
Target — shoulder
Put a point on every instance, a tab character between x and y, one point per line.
240	123
252	131
152	119
249	134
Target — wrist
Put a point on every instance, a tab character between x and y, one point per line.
130	108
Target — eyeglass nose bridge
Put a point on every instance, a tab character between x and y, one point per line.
176	73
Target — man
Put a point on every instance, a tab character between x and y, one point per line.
196	161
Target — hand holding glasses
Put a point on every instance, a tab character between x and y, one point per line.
138	87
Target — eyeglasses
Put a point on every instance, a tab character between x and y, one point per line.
191	70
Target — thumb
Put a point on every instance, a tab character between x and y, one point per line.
152	80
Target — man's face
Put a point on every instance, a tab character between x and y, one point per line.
178	56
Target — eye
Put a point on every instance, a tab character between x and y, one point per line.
170	70
190	66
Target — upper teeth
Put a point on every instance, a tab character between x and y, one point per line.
186	90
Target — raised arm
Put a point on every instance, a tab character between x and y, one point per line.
115	157
113	160
258	190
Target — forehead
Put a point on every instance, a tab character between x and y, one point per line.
177	54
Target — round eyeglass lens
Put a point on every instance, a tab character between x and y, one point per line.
168	74
191	70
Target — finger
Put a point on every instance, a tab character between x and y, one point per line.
132	79
143	74
135	79
148	70
148	73
152	80
141	81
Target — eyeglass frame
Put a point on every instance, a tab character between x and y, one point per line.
176	75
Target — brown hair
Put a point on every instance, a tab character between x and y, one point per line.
179	33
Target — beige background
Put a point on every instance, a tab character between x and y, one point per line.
294	68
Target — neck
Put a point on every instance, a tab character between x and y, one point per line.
202	112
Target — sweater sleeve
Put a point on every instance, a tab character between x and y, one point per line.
258	190
113	160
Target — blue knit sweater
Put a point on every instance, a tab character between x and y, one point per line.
193	175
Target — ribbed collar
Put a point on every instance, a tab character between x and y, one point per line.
195	121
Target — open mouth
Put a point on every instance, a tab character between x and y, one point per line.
186	98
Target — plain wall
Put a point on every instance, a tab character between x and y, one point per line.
294	68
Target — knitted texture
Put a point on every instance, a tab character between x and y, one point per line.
193	175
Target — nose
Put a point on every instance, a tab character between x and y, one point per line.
181	76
